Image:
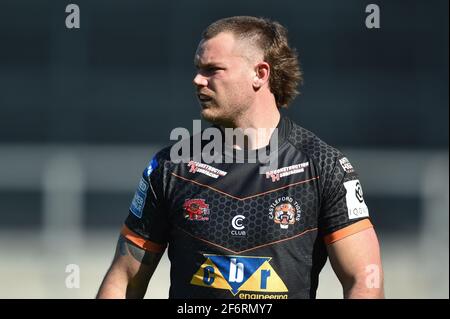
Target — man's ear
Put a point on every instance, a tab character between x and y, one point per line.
262	73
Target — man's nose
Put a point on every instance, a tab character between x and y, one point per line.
200	80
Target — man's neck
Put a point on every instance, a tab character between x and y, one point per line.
255	128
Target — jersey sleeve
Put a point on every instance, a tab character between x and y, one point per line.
343	210
147	222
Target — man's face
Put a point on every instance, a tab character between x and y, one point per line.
224	78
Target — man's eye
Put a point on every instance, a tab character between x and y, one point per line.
209	70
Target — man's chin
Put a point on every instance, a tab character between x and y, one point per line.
215	116
215	119
208	115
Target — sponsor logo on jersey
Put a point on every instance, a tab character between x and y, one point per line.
138	202
276	174
239	273
346	165
196	209
285	211
356	206
208	170
262	296
238	226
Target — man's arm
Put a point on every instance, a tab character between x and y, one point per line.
130	271
357	263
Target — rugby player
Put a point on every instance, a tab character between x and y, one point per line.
230	231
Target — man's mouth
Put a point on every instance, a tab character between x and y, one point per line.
204	98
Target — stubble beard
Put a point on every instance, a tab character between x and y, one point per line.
225	115
225	118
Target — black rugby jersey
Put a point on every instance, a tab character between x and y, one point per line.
232	232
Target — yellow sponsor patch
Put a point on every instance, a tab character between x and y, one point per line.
238	273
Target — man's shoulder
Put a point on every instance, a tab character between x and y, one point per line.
163	154
310	144
158	161
182	151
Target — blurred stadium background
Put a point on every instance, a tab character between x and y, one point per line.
82	111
